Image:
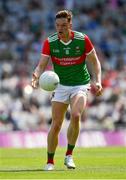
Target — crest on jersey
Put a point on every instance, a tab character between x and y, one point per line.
77	47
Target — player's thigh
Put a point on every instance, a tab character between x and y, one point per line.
58	111
78	103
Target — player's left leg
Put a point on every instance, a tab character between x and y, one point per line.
77	104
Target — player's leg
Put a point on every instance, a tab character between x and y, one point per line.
58	111
78	103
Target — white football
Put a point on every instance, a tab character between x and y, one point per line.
48	80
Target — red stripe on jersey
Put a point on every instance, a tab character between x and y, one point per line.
68	61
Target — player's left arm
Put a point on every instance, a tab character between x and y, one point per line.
95	65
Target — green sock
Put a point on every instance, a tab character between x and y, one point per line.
50	158
69	149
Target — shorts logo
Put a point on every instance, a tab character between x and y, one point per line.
53	94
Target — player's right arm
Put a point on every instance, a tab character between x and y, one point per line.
39	70
41	65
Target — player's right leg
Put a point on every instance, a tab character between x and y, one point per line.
58	111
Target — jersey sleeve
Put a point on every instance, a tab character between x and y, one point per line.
46	48
88	45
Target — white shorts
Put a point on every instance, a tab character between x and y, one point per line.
65	93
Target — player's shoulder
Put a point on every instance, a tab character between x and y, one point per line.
53	37
79	35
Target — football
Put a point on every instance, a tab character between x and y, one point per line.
48	80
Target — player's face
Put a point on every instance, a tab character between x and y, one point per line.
62	27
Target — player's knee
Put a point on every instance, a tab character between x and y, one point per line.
75	116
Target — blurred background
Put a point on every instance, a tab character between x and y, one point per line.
24	24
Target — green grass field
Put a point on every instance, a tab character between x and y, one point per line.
92	163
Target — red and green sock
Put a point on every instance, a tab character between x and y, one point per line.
50	157
69	149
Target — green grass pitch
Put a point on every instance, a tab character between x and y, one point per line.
92	163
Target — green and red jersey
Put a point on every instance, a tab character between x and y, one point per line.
69	58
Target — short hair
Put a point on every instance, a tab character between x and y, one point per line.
64	14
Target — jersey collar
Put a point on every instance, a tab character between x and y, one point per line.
66	43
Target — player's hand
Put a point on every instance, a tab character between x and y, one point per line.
35	81
99	89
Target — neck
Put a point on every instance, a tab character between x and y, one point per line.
66	37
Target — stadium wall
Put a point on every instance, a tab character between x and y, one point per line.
86	139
